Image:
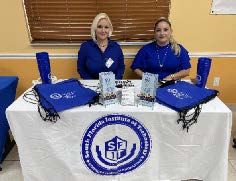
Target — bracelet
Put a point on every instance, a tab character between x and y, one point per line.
172	76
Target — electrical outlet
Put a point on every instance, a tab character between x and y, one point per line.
216	81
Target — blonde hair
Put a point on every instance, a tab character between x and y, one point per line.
174	45
95	23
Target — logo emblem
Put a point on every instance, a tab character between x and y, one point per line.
56	96
115	148
179	95
115	144
198	79
67	95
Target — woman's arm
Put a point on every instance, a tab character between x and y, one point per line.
81	63
138	65
121	69
178	75
185	66
139	72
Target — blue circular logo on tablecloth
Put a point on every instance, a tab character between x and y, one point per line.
115	144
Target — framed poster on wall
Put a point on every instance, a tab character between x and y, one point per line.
223	7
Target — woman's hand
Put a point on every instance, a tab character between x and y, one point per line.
193	80
178	75
139	72
169	77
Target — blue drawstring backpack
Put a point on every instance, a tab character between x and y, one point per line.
53	98
182	97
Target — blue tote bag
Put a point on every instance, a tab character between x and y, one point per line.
182	97
53	98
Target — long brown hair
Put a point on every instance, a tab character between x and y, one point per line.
174	45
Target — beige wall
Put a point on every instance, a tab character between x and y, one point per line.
194	27
64	68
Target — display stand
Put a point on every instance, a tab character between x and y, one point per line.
107	86
148	90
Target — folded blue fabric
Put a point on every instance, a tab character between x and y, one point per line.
183	96
54	98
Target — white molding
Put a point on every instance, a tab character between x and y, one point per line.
126	55
213	54
78	44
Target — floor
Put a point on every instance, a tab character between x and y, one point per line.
12	169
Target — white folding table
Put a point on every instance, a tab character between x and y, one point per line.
87	143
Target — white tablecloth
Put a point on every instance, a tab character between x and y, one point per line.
53	151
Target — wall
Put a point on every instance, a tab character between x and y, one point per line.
201	33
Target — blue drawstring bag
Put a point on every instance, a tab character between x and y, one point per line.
53	98
44	67
182	97
203	69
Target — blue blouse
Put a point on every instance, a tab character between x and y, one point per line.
161	60
92	61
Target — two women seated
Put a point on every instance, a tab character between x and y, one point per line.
163	56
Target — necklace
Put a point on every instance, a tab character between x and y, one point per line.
164	57
102	44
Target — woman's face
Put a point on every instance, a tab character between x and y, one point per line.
102	30
163	33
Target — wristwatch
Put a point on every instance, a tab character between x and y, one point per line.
172	76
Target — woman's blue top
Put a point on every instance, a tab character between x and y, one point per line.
161	60
92	61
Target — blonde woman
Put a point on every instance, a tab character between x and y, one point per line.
100	54
163	56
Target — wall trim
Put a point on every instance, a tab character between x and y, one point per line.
78	44
126	55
